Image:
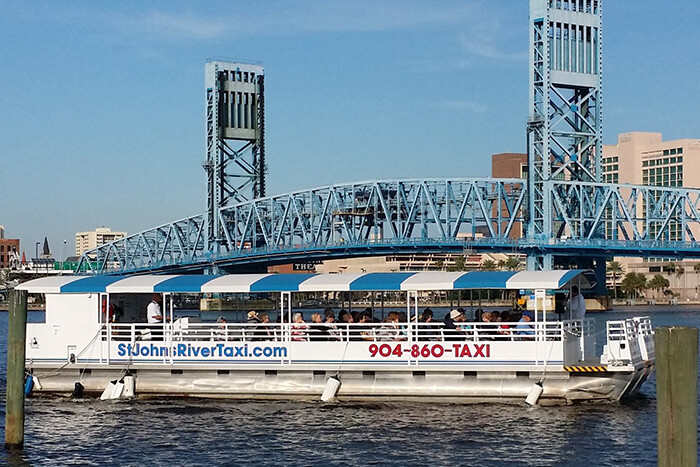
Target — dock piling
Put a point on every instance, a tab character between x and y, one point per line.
16	341
677	395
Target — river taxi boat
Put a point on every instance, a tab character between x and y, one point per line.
546	361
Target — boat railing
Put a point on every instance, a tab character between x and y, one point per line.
317	332
630	340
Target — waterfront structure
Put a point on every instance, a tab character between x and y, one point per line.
564	125
92	239
235	140
96	335
645	158
9	249
510	165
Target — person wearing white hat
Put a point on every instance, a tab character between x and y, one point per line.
451	331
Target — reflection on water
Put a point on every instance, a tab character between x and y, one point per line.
191	431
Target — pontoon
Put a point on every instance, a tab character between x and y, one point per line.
551	361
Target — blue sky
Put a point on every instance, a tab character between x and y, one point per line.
102	103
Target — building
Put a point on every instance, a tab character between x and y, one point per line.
2	232
646	159
510	165
9	250
85	241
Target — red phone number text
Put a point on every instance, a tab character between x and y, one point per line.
431	350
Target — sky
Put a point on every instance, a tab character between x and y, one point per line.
102	103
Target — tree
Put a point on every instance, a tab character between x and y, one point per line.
510	264
634	283
680	272
460	264
615	268
658	283
489	265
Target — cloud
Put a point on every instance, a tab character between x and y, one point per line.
469	106
287	17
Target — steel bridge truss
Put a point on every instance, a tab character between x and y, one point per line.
385	217
367	215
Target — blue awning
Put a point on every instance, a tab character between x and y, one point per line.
93	284
380	281
279	283
484	280
183	284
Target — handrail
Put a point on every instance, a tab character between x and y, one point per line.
344	332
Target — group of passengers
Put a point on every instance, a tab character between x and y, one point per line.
505	325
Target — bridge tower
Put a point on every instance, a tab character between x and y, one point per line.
564	127
235	119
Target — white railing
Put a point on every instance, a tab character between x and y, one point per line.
311	332
630	341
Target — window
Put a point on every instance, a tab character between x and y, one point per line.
680	150
665	152
673	151
645	163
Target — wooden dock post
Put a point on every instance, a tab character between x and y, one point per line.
677	395
16	337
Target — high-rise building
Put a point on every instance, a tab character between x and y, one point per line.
8	248
88	240
646	159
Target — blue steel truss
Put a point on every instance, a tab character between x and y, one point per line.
415	216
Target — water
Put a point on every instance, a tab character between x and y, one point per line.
200	432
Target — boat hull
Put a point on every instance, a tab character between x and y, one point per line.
560	387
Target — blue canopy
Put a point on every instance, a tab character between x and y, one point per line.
375	281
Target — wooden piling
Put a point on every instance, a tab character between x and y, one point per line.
16	337
677	395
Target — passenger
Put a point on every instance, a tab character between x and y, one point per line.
524	328
333	331
364	332
487	331
478	315
355	316
264	332
154	315
299	328
253	318
343	316
390	330
504	330
403	325
577	304
426	331
451	331
317	330
221	331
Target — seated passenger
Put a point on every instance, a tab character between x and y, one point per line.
451	331
220	334
489	331
333	331
426	331
317	330
299	328
364	331
264	332
390	330
504	329
524	328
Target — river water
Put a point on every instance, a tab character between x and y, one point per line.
203	432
